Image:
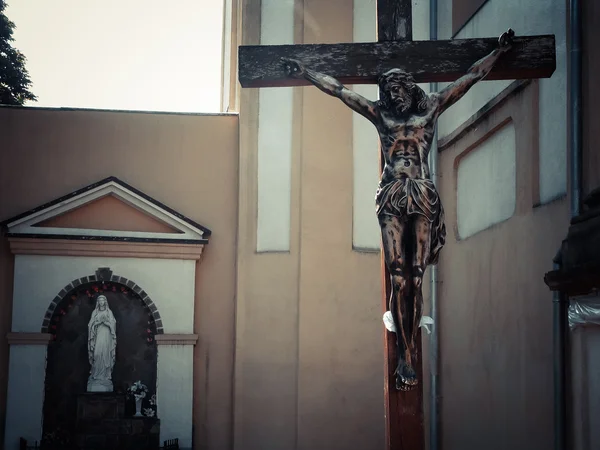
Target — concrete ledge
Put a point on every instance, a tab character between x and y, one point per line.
116	249
28	338
176	339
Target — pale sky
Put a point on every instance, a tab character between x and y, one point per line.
151	55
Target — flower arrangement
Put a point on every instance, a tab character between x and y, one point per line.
138	390
151	411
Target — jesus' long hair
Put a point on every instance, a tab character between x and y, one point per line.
419	97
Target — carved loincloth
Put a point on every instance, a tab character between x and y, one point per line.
408	196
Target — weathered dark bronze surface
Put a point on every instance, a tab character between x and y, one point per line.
427	61
409	208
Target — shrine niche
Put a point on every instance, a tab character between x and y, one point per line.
69	368
102	333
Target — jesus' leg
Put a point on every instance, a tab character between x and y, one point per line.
392	231
422	240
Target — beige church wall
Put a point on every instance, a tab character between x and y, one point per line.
495	310
309	347
529	17
188	162
340	385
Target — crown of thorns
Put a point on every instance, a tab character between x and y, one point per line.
397	75
400	76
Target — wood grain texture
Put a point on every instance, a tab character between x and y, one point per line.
428	61
394	20
404	427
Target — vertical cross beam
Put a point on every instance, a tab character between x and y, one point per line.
403	410
394	20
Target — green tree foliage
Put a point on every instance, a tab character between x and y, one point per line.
14	78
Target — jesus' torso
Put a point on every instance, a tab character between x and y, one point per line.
405	144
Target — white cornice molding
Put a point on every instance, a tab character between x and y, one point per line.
186	230
116	249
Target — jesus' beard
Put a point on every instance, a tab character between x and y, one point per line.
402	108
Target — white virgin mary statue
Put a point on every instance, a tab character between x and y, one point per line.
102	344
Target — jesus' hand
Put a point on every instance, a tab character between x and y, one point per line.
505	41
293	68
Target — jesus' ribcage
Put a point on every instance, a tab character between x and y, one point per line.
406	144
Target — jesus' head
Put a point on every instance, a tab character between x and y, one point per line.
401	94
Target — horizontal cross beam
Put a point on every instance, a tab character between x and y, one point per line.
427	61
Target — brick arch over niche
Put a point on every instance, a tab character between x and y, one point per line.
102	274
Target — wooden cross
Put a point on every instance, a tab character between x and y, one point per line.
362	63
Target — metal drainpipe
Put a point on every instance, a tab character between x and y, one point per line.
433	338
575	105
561	301
559	312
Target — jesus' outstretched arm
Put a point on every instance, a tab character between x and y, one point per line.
333	87
478	71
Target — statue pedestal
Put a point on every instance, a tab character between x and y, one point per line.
99	386
102	425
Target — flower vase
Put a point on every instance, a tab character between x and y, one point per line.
138	407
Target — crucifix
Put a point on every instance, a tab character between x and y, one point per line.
408	206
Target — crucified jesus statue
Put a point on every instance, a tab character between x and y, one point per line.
408	206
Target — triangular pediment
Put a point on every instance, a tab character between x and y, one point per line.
108	213
107	210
